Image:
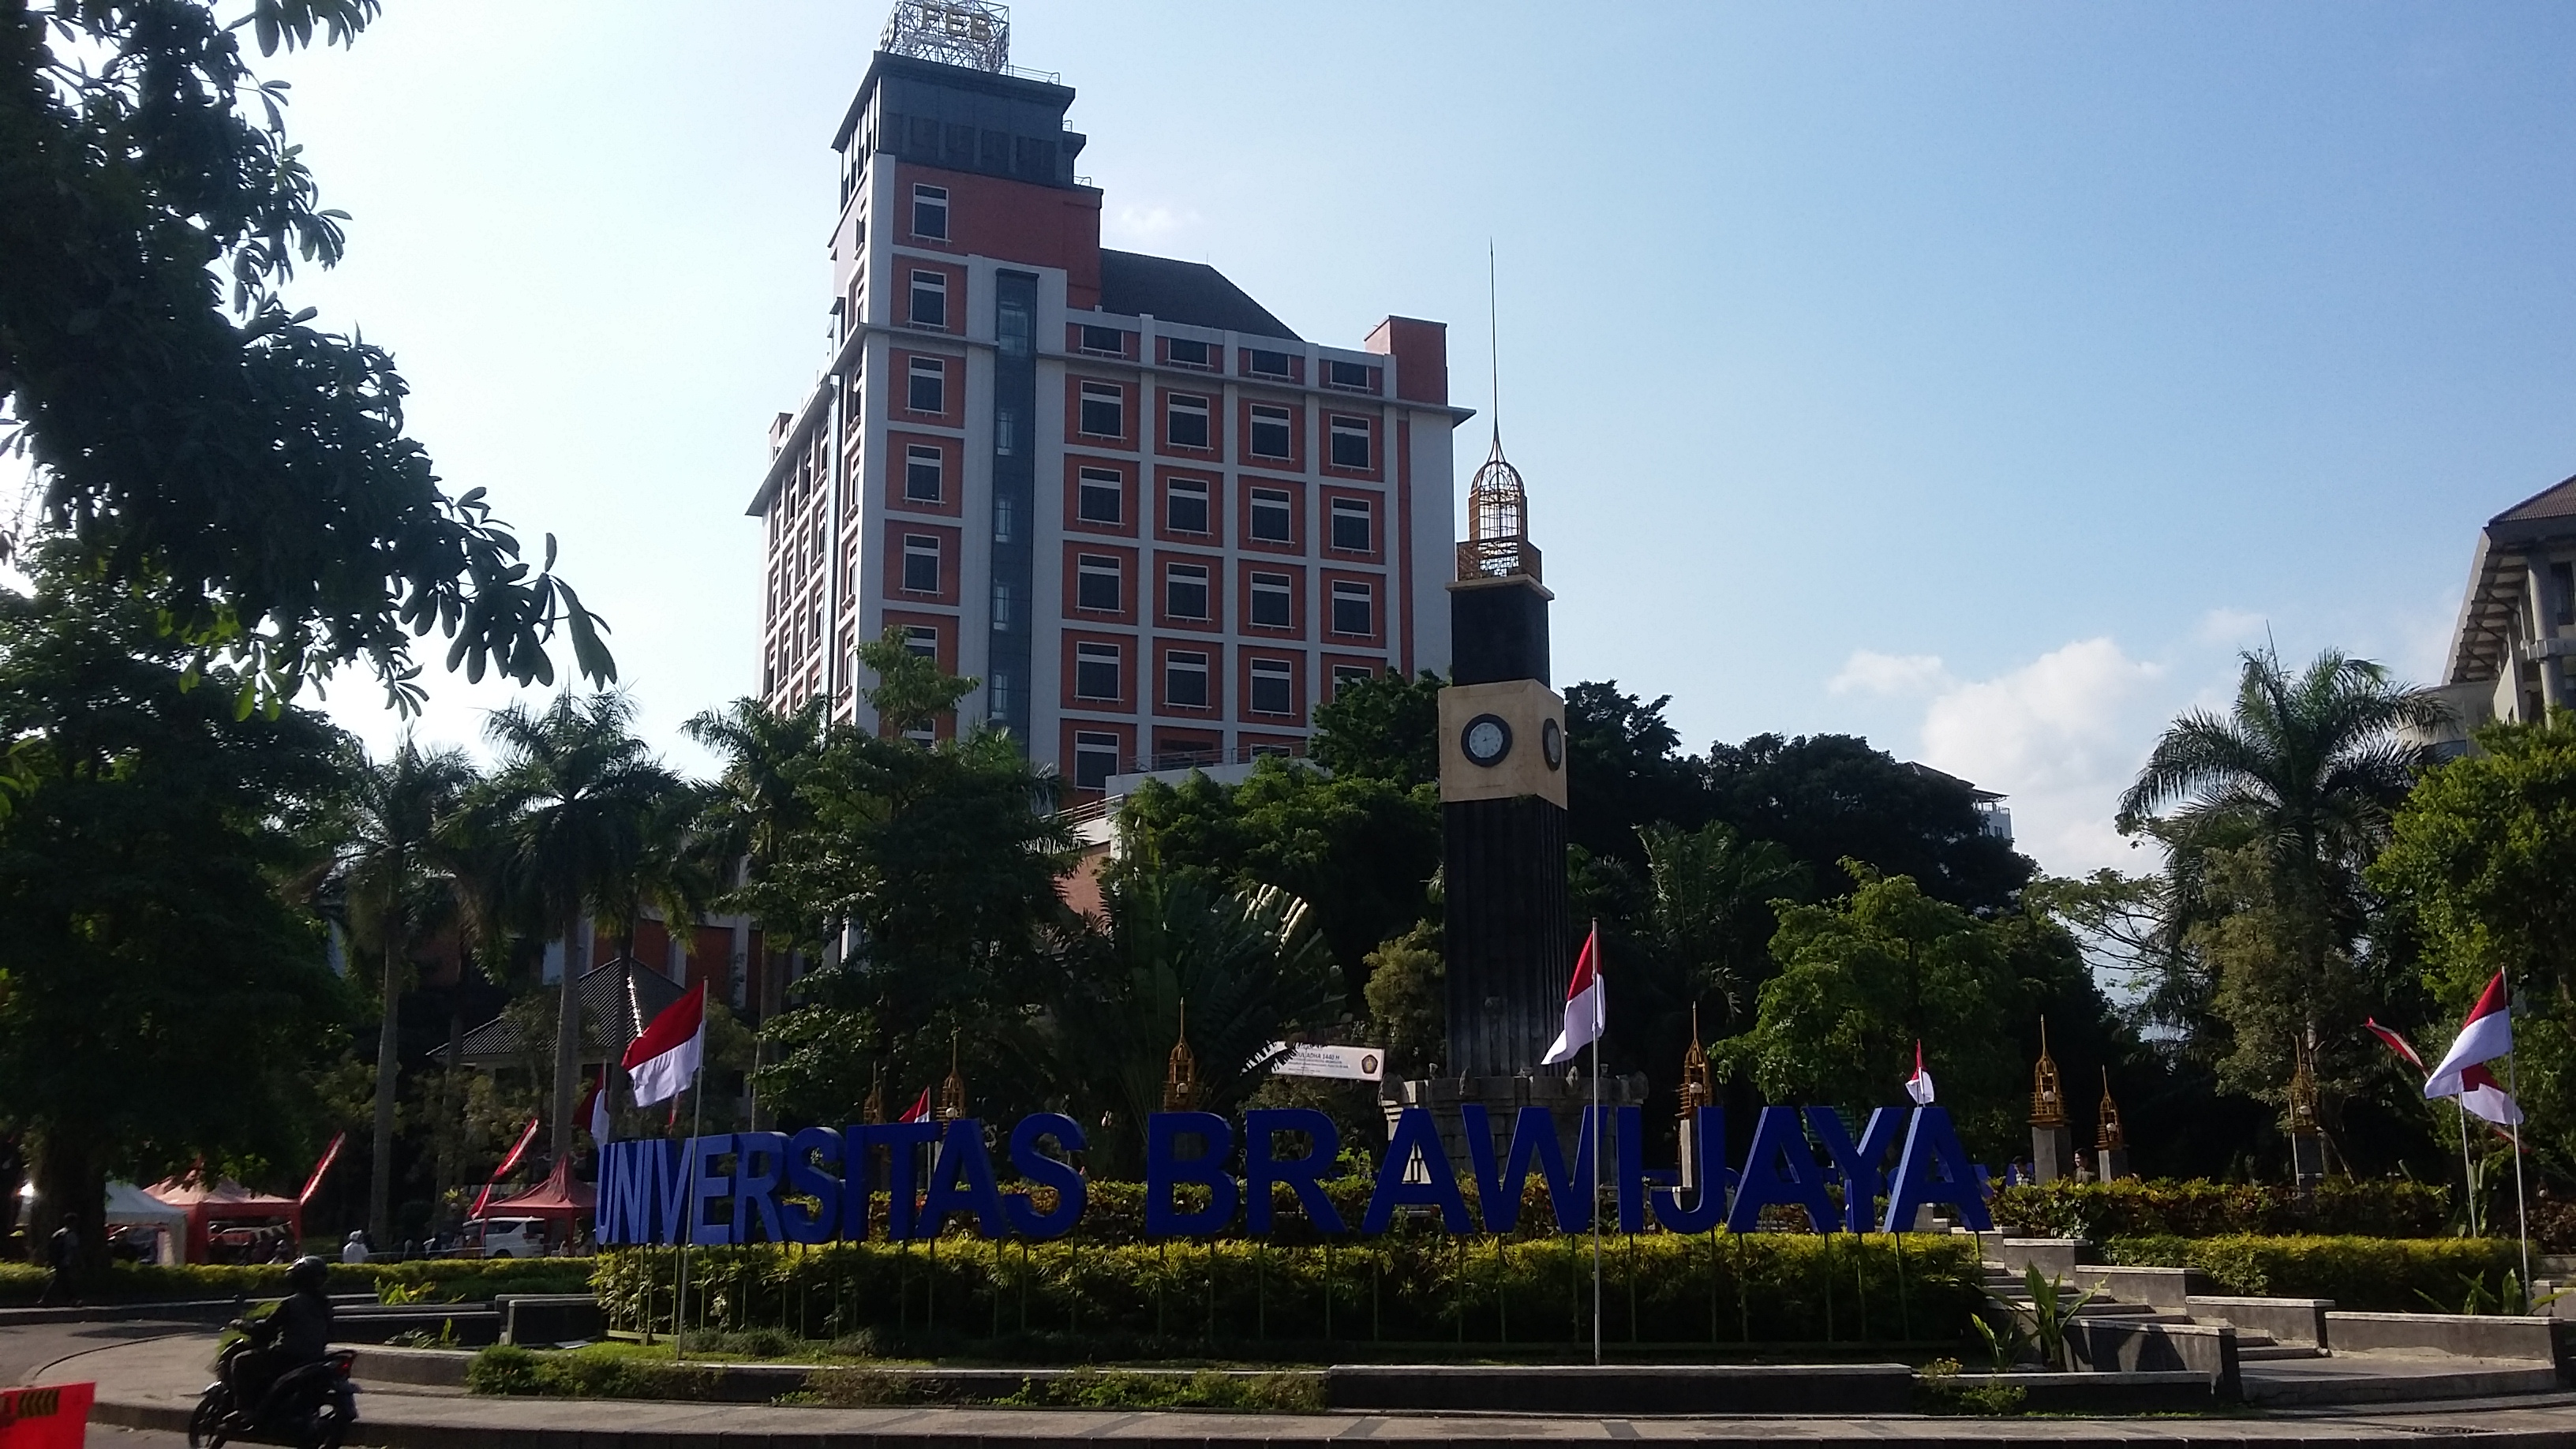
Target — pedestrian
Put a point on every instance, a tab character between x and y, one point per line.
62	1253
354	1250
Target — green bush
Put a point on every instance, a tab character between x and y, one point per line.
2365	1275
2203	1209
444	1280
1093	1302
607	1371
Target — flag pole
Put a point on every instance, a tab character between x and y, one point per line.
1599	1137
2468	1168
688	1230
2522	1214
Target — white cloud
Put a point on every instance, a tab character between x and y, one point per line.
1148	225
1870	672
2233	627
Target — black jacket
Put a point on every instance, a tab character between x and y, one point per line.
303	1323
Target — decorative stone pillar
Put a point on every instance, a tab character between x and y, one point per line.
2307	1143
1696	1092
2110	1139
2052	1143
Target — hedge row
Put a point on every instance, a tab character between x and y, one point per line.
2366	1275
444	1280
605	1371
1660	1288
2199	1209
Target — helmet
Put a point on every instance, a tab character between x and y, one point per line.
306	1274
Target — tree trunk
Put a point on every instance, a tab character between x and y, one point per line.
380	1176
451	1100
568	1034
71	1186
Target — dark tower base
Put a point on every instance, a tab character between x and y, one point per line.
1512	951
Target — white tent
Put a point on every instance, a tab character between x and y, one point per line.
131	1206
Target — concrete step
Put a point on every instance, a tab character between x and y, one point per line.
2275	1352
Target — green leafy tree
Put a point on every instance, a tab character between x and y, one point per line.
2271	814
391	874
1714	894
244	472
1386	728
1828	798
912	692
2482	857
1861	981
1624	771
1245	968
1408	1005
566	817
161	997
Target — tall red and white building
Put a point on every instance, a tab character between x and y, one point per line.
1158	525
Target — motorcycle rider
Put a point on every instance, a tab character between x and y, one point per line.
299	1330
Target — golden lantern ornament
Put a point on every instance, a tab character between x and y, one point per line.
1181	1072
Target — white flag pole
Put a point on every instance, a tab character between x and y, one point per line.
2468	1167
689	1230
1600	1138
2522	1215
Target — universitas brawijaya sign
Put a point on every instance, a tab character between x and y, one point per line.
815	1186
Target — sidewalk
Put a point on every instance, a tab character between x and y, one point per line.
154	1383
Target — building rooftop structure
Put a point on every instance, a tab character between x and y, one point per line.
2517	626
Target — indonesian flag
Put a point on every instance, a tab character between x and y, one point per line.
919	1111
2484	1096
594	1107
2488	1035
526	1139
2395	1042
670	1051
1585	1006
330	1154
1919	1086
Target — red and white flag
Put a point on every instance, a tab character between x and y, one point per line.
526	1140
330	1154
671	1049
2395	1042
1585	1006
919	1111
2488	1035
2483	1096
1919	1086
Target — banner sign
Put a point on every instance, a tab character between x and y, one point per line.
53	1417
1351	1063
814	1186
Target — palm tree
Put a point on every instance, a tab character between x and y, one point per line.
388	871
1244	969
2303	773
567	818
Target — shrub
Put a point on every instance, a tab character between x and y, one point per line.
1092	1302
442	1280
2368	1275
602	1372
2202	1209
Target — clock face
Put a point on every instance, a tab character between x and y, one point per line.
1551	744
1486	740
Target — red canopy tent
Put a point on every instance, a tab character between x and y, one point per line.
561	1195
224	1202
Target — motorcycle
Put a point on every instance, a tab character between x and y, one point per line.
311	1405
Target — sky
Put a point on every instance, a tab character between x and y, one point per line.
1977	378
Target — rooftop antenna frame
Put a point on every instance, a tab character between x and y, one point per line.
975	34
1497	543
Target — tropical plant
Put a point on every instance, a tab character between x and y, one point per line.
1174	960
1714	891
2270	815
565	819
390	875
2041	1318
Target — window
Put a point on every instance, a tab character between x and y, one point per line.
1189	421
1185	679
1185	505
1108	341
1270	601
1352	375
1099	497
929	299
1095	759
922	640
1354	610
1350	442
1185	591
1095	671
1104	409
1346	675
1001	608
921	474
1006	517
1269	520
1096	583
1186	353
1351	530
2562	584
1269	432
920	563
1011	326
928	392
930	212
997	695
1006	432
1269	364
1274	691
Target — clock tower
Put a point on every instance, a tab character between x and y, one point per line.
1502	795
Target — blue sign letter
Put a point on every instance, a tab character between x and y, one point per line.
1304	1174
1863	1168
1165	1170
1779	1168
1708	1159
707	1185
1569	1189
813	1170
962	1180
1416	1136
1037	1169
1930	1143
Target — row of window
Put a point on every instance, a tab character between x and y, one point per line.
1270	433
1206	356
1100	497
1271	687
1100	587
